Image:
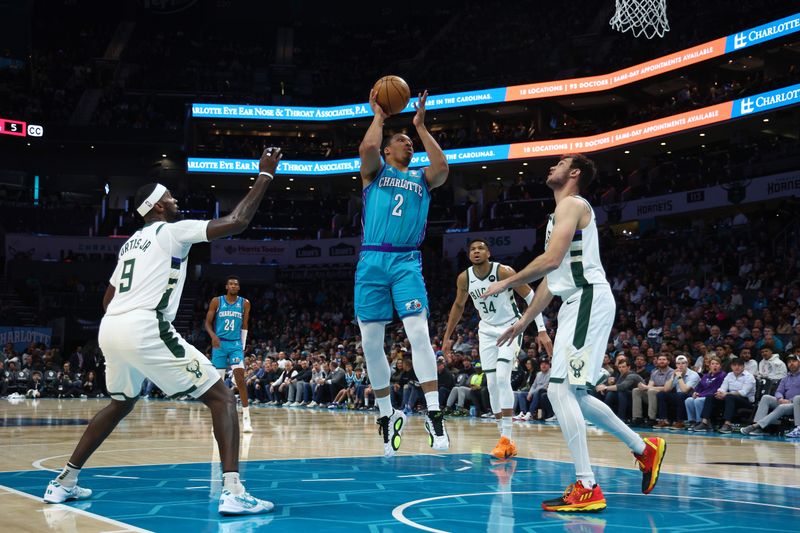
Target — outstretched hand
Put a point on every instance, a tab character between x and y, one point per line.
377	110
511	333
494	288
419	117
269	160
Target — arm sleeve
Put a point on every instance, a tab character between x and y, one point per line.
539	320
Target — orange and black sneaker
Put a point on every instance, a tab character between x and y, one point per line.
650	462
505	449
577	499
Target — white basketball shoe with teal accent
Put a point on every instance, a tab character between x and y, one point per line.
58	493
243	504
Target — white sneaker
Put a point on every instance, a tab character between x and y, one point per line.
58	493
243	504
552	419
312	404
391	427
487	415
437	434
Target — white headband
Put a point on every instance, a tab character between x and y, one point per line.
151	200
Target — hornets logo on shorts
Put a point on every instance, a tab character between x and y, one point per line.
413	305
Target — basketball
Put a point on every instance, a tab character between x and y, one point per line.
392	94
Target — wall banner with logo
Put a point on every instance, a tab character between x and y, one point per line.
308	252
503	243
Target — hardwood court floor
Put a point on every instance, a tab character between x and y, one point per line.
40	435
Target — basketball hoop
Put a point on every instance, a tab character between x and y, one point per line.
648	17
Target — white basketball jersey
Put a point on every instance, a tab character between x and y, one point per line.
151	267
495	310
581	265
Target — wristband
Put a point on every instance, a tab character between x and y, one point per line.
539	323
266	174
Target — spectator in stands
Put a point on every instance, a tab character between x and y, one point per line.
618	395
90	389
648	393
640	365
446	379
786	401
770	340
318	376
479	393
78	360
300	386
675	392
771	367
749	364
715	339
709	383
535	397
349	381
460	393
738	390
36	386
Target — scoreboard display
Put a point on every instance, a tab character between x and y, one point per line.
19	128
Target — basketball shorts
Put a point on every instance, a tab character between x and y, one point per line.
489	351
387	281
584	325
141	344
229	353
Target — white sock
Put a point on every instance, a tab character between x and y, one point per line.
69	476
432	400
588	481
245	413
231	483
385	405
506	427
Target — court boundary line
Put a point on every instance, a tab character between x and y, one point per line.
41	468
101	518
397	512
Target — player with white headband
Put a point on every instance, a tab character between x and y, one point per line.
139	341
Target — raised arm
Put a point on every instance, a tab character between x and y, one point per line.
566	219
370	149
457	309
238	219
436	172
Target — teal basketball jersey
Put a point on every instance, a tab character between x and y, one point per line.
395	208
229	319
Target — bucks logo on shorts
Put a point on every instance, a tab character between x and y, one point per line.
194	368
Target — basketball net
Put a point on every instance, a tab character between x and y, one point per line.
648	17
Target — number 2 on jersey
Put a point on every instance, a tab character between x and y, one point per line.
396	211
126	278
